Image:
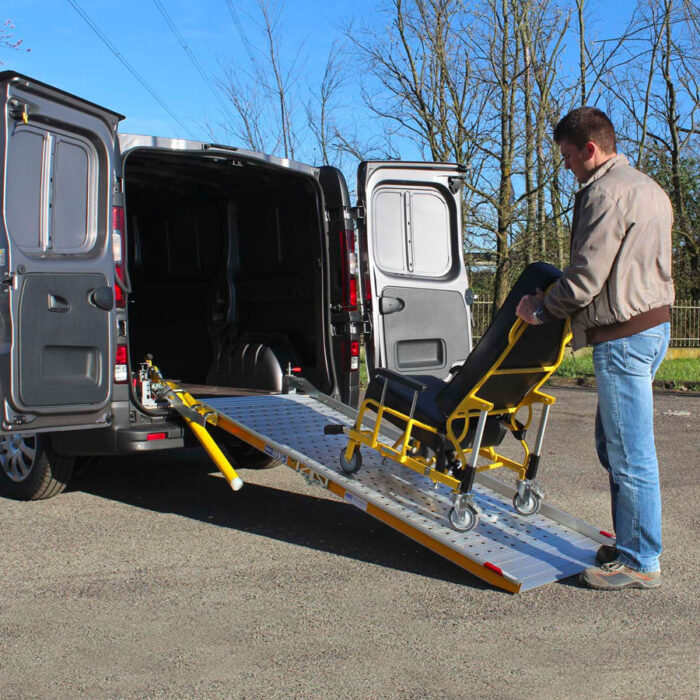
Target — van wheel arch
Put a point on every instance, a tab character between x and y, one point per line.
31	469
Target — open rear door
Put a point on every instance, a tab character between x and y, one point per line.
414	279
56	260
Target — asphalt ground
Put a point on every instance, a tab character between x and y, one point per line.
151	579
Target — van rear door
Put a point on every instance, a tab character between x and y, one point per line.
414	280
56	260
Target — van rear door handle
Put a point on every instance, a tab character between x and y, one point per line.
58	304
390	305
102	297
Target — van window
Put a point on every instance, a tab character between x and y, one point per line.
51	188
23	208
411	231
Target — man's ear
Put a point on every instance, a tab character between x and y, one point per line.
591	149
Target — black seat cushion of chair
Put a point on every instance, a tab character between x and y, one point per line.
400	398
538	346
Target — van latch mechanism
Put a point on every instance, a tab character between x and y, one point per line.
19	110
356	213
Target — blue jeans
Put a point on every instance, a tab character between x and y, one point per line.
624	432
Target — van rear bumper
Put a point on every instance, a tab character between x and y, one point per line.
161	437
144	437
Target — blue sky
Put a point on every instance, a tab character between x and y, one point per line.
67	53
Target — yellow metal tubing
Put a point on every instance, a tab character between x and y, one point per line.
468	408
200	432
217	456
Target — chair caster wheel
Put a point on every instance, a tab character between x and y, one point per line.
353	464
527	504
463	519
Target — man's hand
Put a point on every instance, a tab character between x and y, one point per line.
527	307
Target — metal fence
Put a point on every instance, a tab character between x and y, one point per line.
685	321
685	325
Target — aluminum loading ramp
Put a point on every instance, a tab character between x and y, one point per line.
507	550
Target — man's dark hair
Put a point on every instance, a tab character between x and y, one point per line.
586	124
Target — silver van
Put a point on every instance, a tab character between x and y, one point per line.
231	268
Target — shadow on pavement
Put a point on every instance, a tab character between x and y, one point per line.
181	482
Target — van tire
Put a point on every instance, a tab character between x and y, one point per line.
30	469
244	455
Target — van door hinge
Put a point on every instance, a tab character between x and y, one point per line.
356	213
456	183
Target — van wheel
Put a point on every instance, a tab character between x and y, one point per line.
245	455
30	469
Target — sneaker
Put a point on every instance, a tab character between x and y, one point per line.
615	576
605	554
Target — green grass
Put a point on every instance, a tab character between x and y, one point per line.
363	370
579	365
678	371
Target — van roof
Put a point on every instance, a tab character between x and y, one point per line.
128	142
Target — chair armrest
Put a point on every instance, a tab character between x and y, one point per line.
399	378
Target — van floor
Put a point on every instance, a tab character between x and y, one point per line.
200	390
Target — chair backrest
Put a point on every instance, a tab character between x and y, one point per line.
538	347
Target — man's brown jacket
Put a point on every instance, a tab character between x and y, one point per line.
619	279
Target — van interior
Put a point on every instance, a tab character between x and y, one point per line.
224	261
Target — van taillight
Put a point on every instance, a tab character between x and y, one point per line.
121	365
347	246
351	355
118	252
352	295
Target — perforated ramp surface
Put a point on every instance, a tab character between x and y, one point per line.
511	551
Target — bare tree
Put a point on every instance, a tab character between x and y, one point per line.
7	38
582	62
531	148
264	94
504	59
525	40
474	83
419	86
418	77
322	106
660	93
542	34
446	78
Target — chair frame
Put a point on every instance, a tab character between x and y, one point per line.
407	449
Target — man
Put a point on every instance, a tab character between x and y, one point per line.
618	292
